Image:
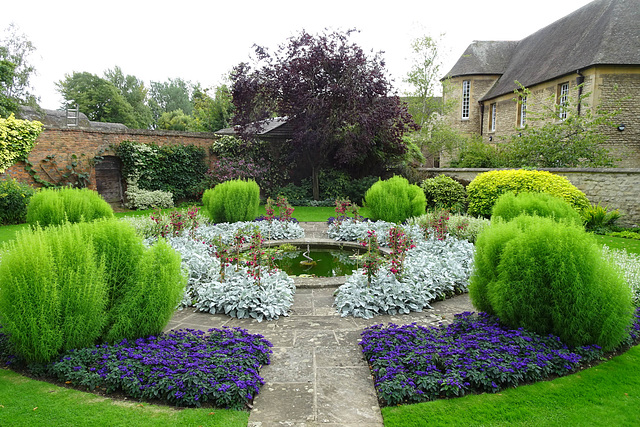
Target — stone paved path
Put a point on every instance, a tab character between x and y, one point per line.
317	374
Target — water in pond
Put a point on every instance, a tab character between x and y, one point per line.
326	263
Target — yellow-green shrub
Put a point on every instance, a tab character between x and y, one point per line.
395	200
54	206
232	201
51	292
17	138
510	205
550	278
485	189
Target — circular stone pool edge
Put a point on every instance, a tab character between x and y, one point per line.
318	243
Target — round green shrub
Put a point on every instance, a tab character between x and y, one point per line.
232	201
146	307
74	285
54	206
395	200
51	292
14	198
510	205
485	189
444	192
120	248
550	278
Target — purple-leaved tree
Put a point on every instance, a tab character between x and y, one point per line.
337	100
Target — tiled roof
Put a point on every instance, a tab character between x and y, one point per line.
603	32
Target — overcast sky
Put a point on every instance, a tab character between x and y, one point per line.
201	41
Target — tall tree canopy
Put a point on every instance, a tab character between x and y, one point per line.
211	113
337	100
135	93
15	71
174	94
96	97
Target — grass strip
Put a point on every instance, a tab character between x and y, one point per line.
604	395
27	402
629	245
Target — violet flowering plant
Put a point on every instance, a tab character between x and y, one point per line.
183	368
474	354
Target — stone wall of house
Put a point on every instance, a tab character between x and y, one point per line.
607	87
87	143
480	85
620	88
614	188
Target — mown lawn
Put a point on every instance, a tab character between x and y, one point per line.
26	402
605	395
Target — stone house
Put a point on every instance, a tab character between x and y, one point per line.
593	51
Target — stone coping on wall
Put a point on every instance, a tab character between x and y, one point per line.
129	131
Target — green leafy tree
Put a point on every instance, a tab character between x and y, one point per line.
15	71
135	93
174	120
548	142
172	95
425	105
7	105
96	97
212	113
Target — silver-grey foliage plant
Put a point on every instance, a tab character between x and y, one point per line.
433	269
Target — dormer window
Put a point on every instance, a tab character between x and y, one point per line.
466	96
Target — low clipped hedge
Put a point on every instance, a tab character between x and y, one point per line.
550	278
55	206
485	189
394	200
232	201
510	205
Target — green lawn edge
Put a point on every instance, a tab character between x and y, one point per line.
605	395
28	402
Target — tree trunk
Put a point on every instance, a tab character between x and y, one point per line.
315	184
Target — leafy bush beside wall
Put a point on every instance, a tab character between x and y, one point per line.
55	206
17	138
177	169
485	189
395	200
14	199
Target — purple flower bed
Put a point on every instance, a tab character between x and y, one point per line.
474	354
184	367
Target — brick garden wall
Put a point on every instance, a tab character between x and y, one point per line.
614	188
87	143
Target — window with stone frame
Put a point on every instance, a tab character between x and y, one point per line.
522	112
466	98
563	97
492	117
